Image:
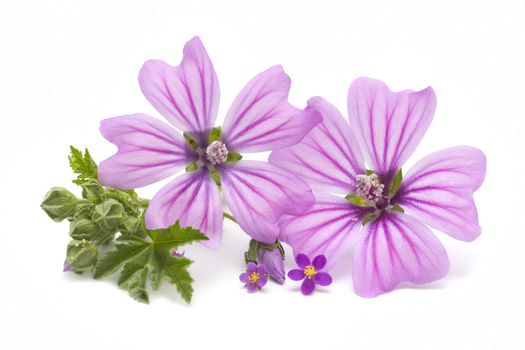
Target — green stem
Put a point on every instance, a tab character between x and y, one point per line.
229	216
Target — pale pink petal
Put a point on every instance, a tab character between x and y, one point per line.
186	95
194	200
259	193
261	119
438	190
388	125
327	228
148	151
393	249
328	157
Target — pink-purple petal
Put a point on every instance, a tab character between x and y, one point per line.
186	95
319	262
439	191
194	200
148	151
308	286
328	157
296	274
251	266
393	249
261	119
251	287
261	282
327	228
323	279
259	193
302	260
388	125
243	277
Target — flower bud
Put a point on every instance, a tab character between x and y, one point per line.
81	255
273	261
83	229
108	214
59	203
92	191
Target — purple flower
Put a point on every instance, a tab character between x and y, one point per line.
310	273
177	254
67	267
392	246
260	119
254	278
273	261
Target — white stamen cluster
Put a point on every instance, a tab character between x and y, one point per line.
369	187
217	153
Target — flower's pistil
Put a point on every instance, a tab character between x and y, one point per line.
369	187
309	271
254	277
217	153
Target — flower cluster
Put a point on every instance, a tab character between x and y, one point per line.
328	182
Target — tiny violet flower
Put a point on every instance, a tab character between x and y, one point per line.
255	277
67	267
310	273
260	119
177	254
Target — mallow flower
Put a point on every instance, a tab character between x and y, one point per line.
386	213
260	119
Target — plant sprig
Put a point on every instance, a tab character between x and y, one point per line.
104	213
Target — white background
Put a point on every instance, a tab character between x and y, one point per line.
65	65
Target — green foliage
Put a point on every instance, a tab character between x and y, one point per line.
370	217
359	201
396	182
192	143
233	157
215	134
83	165
139	258
103	212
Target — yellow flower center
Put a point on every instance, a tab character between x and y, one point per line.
309	271
254	277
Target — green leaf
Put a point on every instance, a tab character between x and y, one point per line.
397	208
138	258
214	174
370	218
126	249
215	134
92	190
251	253
359	201
193	166
82	165
396	182
192	143
233	157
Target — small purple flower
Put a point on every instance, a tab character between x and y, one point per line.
259	119
177	254
273	261
386	211
67	267
310	273
255	277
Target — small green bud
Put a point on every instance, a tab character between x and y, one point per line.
83	229
109	214
92	191
83	210
81	255
59	203
127	199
